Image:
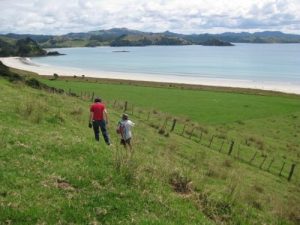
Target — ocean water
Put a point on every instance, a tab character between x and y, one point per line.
251	62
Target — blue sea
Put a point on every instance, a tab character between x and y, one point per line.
252	62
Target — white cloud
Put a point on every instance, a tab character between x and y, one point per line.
185	16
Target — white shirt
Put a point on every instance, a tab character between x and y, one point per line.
126	126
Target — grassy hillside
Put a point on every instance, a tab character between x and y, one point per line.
269	118
53	172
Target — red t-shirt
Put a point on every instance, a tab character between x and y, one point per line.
97	109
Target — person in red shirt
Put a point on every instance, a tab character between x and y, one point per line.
99	119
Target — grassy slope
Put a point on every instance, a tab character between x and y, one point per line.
273	120
45	141
52	171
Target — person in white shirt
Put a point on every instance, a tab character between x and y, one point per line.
124	129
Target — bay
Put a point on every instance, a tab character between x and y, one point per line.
251	62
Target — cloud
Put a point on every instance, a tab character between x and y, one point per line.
192	16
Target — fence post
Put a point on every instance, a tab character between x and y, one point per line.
132	110
269	167
173	125
282	169
211	140
200	138
221	146
263	162
254	156
291	171
148	117
231	148
192	131
125	106
183	129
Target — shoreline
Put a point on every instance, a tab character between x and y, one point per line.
45	70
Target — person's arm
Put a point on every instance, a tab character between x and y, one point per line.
131	123
91	115
105	116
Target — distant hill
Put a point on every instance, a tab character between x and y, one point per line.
26	47
260	37
128	37
117	37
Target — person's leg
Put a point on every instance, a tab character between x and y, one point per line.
104	131
96	129
128	141
122	142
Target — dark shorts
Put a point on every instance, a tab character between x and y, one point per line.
124	142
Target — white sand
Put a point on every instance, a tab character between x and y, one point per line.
26	64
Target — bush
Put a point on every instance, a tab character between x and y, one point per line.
55	75
180	183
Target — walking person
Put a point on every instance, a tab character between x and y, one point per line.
99	119
124	129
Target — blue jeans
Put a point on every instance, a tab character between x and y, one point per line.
102	125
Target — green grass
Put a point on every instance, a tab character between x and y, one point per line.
207	107
53	172
270	120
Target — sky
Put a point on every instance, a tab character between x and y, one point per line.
181	16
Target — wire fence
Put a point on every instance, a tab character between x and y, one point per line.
166	124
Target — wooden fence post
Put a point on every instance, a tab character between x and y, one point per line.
148	117
211	140
125	106
263	162
282	169
132	110
291	171
221	146
192	131
253	157
183	129
231	148
269	167
200	138
173	125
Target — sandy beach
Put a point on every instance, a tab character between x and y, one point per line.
27	64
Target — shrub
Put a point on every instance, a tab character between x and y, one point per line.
180	183
219	210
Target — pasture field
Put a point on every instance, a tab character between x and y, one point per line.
53	172
270	120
